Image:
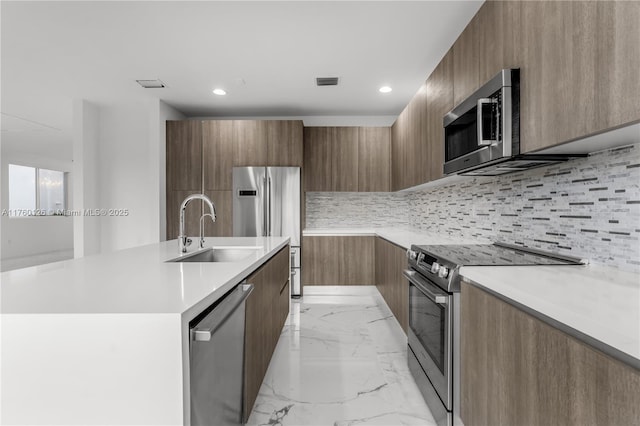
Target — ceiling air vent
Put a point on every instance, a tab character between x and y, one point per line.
326	81
151	84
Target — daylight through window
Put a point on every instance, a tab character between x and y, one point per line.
36	192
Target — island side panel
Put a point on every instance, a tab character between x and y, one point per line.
91	369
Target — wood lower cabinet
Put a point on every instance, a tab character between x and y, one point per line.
517	370
391	260
338	260
265	314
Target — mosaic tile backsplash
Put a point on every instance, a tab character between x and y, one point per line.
356	209
587	207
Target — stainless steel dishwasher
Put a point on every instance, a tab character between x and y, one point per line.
216	355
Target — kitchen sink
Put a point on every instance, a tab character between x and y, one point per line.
234	254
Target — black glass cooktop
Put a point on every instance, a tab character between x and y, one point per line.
493	255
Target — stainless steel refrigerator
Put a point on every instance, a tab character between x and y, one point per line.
266	202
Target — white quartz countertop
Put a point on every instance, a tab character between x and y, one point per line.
596	304
403	237
600	302
136	280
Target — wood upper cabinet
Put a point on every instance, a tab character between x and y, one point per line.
184	155
217	158
517	370
265	313
391	260
250	143
344	159
558	76
466	62
409	150
338	260
440	99
499	38
284	143
399	151
317	158
618	62
374	159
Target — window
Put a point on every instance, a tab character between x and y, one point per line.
36	192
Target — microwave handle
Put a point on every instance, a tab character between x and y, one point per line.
481	103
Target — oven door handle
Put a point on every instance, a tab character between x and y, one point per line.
413	277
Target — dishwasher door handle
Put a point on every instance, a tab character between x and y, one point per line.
203	332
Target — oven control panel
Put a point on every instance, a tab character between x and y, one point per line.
440	272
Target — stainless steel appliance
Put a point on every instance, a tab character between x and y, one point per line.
216	356
434	314
266	202
482	134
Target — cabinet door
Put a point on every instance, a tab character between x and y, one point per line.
217	147
250	143
499	38
338	260
344	153
192	214
320	257
399	152
466	62
262	323
184	155
416	155
390	262
515	369
618	62
440	98
223	226
256	338
558	76
374	159
356	257
318	143
284	143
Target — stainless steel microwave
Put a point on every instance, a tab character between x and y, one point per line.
484	128
482	134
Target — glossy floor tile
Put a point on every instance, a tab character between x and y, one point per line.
340	360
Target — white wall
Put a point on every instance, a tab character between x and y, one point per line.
159	159
28	241
130	170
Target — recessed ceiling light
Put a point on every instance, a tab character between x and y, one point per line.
219	92
385	89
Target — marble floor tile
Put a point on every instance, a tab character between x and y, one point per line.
340	360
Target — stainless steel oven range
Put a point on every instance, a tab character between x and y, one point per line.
434	314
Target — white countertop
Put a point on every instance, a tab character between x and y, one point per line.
403	237
136	280
601	302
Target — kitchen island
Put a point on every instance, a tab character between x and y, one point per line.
104	339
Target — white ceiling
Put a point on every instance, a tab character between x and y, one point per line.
54	52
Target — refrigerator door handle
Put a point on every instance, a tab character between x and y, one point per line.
269	207
264	207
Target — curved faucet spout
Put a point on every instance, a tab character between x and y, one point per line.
183	240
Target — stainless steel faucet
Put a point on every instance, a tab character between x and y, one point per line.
183	240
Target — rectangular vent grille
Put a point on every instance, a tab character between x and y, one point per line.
151	84
327	81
